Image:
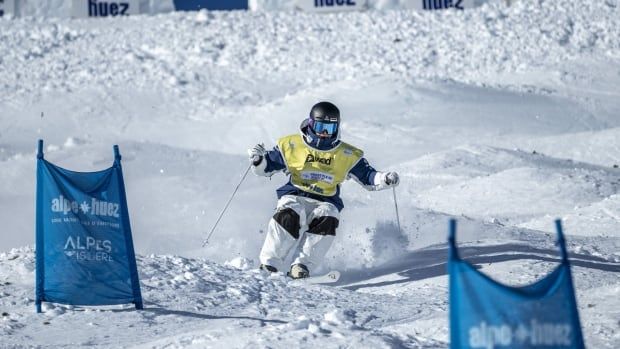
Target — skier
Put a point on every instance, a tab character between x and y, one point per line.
317	162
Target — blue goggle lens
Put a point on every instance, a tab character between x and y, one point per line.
321	127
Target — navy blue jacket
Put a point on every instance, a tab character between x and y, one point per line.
362	172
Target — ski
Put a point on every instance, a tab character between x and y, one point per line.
329	278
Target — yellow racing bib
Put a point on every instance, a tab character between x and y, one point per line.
317	171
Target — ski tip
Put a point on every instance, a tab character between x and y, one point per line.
334	275
329	278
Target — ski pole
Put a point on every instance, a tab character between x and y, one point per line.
396	205
226	207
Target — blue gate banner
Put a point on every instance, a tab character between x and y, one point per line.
195	5
487	314
84	249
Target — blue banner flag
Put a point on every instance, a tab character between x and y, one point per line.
211	5
487	314
84	249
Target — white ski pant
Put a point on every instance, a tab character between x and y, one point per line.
316	220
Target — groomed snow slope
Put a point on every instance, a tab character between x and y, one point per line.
504	117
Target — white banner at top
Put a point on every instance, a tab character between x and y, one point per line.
331	5
439	4
103	8
7	7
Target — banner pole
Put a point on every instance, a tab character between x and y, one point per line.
452	249
131	254
561	240
39	255
40	149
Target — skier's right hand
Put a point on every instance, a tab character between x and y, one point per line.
391	179
257	153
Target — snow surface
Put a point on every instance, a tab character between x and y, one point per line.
504	117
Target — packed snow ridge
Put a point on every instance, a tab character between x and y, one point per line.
204	52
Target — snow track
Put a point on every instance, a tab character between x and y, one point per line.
503	117
194	303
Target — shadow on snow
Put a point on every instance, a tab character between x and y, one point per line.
432	262
162	312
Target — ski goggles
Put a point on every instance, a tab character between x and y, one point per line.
324	127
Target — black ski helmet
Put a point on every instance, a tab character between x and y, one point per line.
325	112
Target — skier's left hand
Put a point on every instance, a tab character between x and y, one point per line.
391	179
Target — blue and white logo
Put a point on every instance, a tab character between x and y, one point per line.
331	5
92	207
88	249
524	335
317	176
104	8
